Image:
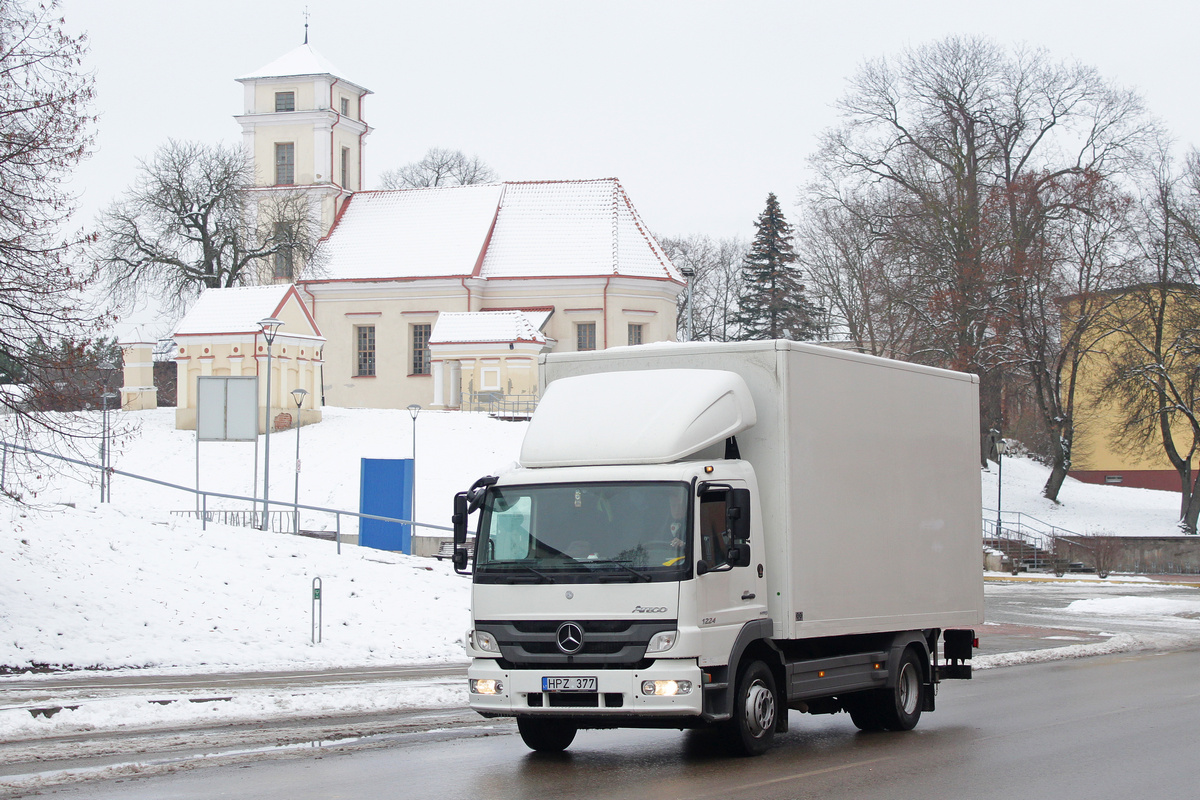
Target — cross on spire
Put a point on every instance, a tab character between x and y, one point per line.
306	16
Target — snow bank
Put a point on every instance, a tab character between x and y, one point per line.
103	588
1084	508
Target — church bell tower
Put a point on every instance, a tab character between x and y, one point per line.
303	128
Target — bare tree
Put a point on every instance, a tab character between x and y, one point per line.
1154	350
194	220
854	278
716	264
975	149
1063	300
439	167
45	130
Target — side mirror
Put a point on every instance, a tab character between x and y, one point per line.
478	491
459	519
737	519
739	556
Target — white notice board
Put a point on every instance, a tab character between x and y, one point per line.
227	408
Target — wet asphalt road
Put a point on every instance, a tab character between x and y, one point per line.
1107	727
1099	727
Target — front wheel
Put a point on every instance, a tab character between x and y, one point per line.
546	735
755	712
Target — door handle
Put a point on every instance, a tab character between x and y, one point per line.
747	595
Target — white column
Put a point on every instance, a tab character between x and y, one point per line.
181	382
438	386
456	384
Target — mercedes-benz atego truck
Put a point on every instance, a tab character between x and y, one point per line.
713	534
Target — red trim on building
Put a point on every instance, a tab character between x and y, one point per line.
1166	480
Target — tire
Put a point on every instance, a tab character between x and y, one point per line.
901	705
863	708
751	730
546	735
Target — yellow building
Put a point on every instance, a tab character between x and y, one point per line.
1098	455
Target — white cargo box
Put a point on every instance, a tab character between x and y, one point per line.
868	473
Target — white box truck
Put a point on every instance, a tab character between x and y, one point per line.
712	534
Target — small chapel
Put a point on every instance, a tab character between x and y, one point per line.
441	297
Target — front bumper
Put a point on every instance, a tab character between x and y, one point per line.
618	691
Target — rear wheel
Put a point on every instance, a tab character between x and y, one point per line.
546	735
755	712
863	708
901	704
895	708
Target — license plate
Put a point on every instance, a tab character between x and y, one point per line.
572	683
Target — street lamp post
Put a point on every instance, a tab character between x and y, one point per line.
1001	445
270	327
413	410
689	273
298	395
105	449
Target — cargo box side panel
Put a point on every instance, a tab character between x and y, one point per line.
885	497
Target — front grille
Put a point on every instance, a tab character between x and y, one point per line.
573	699
607	644
611	700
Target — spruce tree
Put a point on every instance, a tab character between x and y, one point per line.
772	304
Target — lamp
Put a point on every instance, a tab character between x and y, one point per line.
689	273
298	395
105	449
270	327
413	410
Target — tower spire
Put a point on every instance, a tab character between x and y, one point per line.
306	16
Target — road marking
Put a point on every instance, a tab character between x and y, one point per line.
795	777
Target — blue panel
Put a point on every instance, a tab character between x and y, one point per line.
386	491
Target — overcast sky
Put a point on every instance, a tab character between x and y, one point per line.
700	108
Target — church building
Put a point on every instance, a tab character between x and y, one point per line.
442	297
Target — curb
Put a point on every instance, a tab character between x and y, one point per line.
1096	581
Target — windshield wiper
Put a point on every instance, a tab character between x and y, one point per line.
645	576
537	572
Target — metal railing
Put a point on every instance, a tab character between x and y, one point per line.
277	521
204	513
498	404
1029	542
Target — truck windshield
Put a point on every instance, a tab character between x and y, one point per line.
592	532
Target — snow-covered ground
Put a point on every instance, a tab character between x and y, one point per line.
126	585
1085	508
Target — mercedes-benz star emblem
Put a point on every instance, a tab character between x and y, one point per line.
569	637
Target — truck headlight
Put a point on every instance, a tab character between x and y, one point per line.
662	642
485	641
666	688
486	686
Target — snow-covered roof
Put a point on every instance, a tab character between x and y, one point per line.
556	228
417	233
301	61
485	326
234	310
504	230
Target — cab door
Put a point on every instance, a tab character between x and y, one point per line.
729	595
